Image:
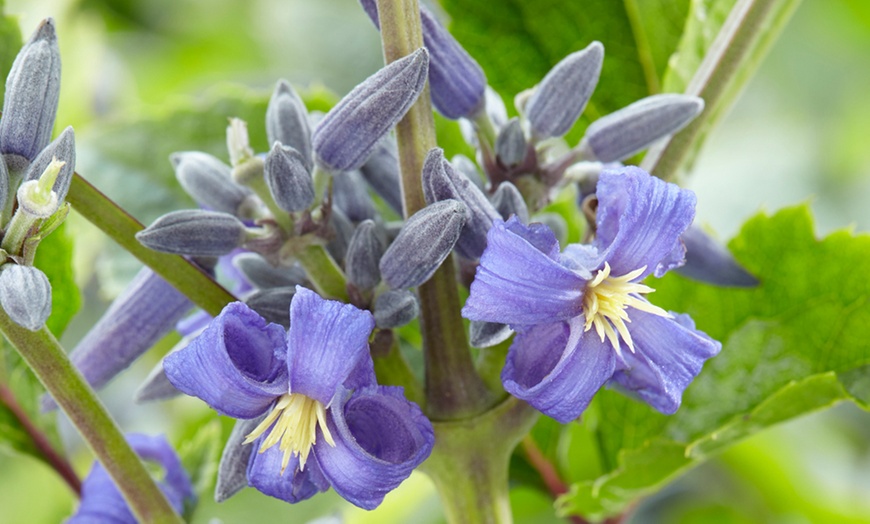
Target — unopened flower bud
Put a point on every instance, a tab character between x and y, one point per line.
347	135
273	304
560	98
381	171
32	94
349	193
4	182
442	182
62	149
194	232
232	475
264	275
25	295
631	129
424	242
343	229
363	256
486	334
209	181
288	178
508	200
395	308
287	121
708	261
510	145
467	167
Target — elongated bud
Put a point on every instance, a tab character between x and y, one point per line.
424	242
232	474
442	182
631	129
209	181
287	121
288	178
273	304
347	135
4	182
395	308
381	171
456	81
343	229
63	149
363	256
508	201
264	275
510	145
25	295
560	98
32	93
194	232
350	194
467	167
156	386
708	261
487	334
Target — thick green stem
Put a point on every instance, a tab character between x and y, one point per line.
453	388
50	364
324	273
750	29
186	277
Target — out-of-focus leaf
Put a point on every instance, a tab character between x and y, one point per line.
517	43
200	454
793	345
10	43
54	257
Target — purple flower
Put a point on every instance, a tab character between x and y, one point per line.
580	315
325	421
101	500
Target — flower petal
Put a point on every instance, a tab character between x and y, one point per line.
236	365
327	346
640	219
558	368
380	437
669	354
518	282
264	474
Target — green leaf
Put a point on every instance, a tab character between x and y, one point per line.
517	43
793	345
200	454
10	43
55	258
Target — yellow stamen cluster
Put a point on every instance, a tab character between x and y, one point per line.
296	419
606	299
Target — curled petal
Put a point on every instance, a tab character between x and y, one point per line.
236	365
518	284
640	219
380	438
669	354
291	485
327	346
558	368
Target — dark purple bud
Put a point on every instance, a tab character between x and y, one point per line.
32	93
273	304
708	261
560	98
508	200
631	129
209	182
347	135
232	473
510	145
395	308
288	178
456	81
194	232
363	256
350	194
263	275
63	148
442	182
287	121
25	295
486	334
424	242
381	171
343	230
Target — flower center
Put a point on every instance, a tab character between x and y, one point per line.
296	419
606	299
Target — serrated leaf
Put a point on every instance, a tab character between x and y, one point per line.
10	43
517	43
795	344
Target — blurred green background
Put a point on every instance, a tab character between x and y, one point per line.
799	132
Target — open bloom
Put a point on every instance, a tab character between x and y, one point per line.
580	315
325	421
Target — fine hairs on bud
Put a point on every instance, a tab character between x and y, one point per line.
288	178
209	181
287	121
508	201
63	149
25	295
395	308
510	145
381	171
194	232
363	255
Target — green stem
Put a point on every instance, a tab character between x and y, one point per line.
323	272
469	464
751	27
19	228
453	388
186	277
50	364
